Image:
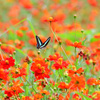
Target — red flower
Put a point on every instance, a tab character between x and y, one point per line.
77	82
7	63
40	68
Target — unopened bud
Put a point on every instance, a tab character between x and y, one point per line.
75	16
82	30
0	43
38	52
14	52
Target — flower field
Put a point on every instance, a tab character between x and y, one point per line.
50	50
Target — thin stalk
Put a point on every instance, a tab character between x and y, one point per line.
49	85
30	84
61	45
31	27
75	25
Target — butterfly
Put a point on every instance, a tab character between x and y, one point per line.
40	44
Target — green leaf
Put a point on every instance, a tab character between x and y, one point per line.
93	40
19	50
71	36
11	35
84	41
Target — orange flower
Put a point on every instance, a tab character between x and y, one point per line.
19	44
45	16
38	96
63	85
24	28
32	41
15	89
93	2
40	68
60	16
71	72
76	44
14	11
31	53
60	97
7	63
97	36
35	12
8	49
18	72
14	21
27	98
51	19
96	95
26	4
55	57
92	81
30	34
76	97
60	64
44	92
73	26
4	74
90	26
19	33
77	82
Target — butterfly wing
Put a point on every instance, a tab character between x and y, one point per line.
39	42
45	43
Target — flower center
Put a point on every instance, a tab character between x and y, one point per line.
77	82
60	61
39	66
7	62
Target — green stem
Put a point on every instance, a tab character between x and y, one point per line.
27	86
61	45
75	27
75	54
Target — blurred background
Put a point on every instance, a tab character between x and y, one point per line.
70	17
87	11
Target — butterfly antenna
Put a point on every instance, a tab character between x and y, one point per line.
58	42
